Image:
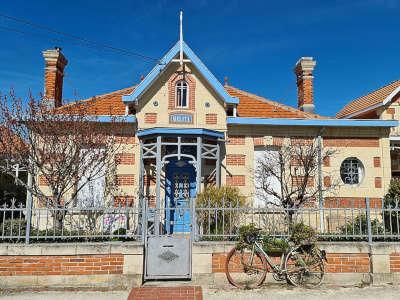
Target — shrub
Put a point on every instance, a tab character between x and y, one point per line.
392	200
359	226
302	234
216	220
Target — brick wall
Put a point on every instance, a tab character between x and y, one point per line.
211	119
377	162
125	158
236	180
356	202
61	264
258	140
127	179
394	260
337	262
128	140
350	142
347	263
236	140
150	118
235	159
124	201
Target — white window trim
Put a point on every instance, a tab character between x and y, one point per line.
176	94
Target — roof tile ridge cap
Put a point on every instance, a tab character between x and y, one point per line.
281	105
340	112
95	97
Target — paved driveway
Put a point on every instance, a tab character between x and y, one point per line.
266	293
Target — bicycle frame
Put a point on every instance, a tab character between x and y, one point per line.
277	268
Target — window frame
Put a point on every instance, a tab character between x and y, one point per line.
360	171
178	86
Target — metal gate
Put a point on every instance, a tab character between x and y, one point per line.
168	240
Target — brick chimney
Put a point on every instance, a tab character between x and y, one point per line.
55	63
304	74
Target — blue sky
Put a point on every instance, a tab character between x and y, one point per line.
254	43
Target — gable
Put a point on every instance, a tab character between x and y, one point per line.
163	65
371	101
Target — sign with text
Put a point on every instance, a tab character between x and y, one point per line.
181	118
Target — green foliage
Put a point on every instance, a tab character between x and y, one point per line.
359	226
275	246
302	234
392	200
219	221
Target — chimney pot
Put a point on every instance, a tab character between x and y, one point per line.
304	76
55	63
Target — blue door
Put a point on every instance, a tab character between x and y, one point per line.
180	189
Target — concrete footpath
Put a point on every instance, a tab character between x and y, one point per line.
268	292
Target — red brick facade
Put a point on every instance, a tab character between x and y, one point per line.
347	263
125	158
124	201
61	265
211	119
350	142
236	140
127	179
235	159
377	162
394	259
337	262
150	118
378	182
171	90
258	140
236	180
346	202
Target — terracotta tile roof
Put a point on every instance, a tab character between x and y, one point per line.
255	106
373	98
250	105
101	105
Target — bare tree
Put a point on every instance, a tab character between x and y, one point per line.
288	175
65	150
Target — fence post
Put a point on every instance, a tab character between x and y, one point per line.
369	228
320	182
28	216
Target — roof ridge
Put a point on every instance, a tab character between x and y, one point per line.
281	105
339	113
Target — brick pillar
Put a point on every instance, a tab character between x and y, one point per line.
55	63
304	73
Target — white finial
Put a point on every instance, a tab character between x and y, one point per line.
180	39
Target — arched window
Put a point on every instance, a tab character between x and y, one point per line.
351	171
181	94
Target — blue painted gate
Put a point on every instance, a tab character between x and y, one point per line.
180	188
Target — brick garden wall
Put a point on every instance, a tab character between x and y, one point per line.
61	264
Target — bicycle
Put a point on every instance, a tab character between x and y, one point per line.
246	266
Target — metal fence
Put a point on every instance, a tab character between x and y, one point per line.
367	221
354	220
73	224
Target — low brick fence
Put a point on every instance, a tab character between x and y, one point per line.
120	264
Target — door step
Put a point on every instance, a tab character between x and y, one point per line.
166	292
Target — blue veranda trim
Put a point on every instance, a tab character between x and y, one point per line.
164	63
312	122
180	131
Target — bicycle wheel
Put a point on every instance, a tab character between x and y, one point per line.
304	267
245	268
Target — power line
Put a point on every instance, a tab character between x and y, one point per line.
85	41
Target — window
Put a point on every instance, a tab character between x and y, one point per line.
91	191
351	171
181	92
263	180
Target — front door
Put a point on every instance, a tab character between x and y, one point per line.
180	189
